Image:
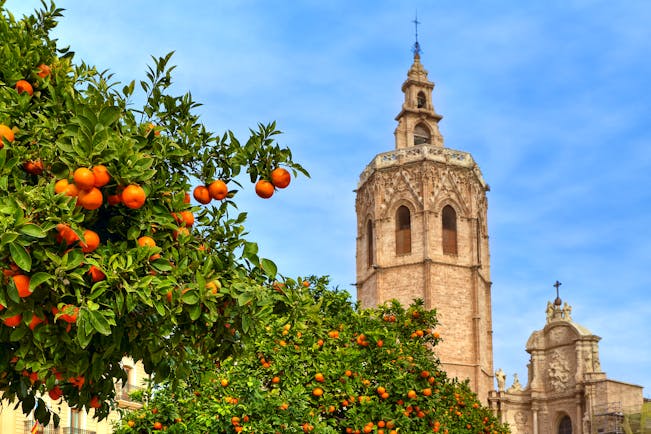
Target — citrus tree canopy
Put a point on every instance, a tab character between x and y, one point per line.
103	253
322	365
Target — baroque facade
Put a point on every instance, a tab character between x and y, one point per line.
422	234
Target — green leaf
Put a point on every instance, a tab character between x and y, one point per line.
109	115
38	278
195	312
250	251
33	231
18	334
20	256
8	237
99	322
244	298
190	297
269	267
28	403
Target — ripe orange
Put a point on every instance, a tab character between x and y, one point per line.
102	177
131	423
69	313
146	241
187	218
22	285
158	426
90	199
84	178
6	135
319	377
427	392
94	402
114	199
411	394
24	86
133	196
90	242
264	189
67	234
202	194
280	178
33	167
55	393
44	70
224	382
218	190
317	391
71	190
13	321
96	274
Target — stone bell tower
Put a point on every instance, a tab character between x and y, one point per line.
421	233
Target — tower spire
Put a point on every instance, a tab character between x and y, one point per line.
416	48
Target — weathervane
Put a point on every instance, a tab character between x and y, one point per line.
558	300
416	44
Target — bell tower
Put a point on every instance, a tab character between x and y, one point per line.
422	233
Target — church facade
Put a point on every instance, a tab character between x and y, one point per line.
422	234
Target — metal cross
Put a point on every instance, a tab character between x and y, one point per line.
556	285
416	44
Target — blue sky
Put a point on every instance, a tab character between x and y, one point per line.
552	98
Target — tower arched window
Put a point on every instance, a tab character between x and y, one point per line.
449	223
403	231
370	259
421	134
421	100
565	425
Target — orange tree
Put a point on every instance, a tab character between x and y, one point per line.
322	365
103	254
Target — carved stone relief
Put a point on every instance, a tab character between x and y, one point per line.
558	372
520	419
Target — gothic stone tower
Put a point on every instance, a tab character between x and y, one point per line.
421	233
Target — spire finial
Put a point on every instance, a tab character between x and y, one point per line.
558	301
416	48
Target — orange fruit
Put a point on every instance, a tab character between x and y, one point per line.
24	86
90	199
202	194
84	178
102	176
90	242
187	218
44	70
133	196
67	234
96	274
69	314
35	321
71	190
33	167
427	392
411	394
186	198
6	135
280	178
264	189
146	241
94	402
224	382
13	321
218	190
55	393
319	377
114	199
22	285
181	232
317	391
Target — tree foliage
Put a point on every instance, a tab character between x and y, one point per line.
194	289
322	365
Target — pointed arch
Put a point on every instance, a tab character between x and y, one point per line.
565	425
422	134
449	230
370	248
421	100
403	230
